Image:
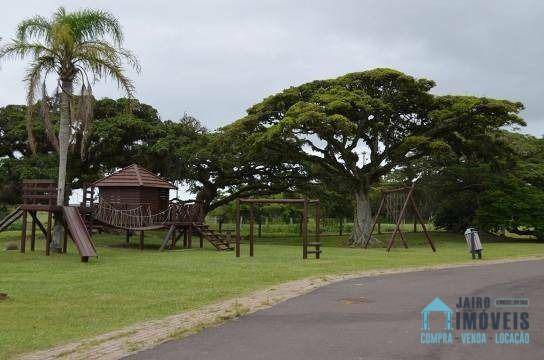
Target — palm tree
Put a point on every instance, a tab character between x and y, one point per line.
78	47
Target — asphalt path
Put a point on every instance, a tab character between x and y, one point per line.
377	318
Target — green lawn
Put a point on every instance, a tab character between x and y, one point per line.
57	299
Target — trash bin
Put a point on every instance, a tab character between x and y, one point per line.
473	241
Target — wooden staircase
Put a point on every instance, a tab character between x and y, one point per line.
10	218
219	241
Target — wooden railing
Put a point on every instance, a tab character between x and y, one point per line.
40	194
140	217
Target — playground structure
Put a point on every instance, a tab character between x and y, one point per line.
395	203
134	199
41	195
305	207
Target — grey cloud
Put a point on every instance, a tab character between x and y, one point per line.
216	58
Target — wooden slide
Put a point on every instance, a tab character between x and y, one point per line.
79	233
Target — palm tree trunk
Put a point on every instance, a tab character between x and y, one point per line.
64	142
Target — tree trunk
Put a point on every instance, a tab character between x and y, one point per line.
362	219
64	143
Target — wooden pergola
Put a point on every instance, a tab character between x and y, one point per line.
306	203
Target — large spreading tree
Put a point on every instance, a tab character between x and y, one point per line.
357	128
77	48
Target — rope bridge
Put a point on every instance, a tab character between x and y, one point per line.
140	217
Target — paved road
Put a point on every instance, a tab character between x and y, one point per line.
371	318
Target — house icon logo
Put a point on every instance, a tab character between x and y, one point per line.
437	305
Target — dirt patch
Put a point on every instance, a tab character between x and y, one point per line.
119	343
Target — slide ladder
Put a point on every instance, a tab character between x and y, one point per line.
79	232
11	218
216	239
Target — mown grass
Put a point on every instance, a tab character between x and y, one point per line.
57	299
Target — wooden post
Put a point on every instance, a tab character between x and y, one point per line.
415	225
201	240
403	239
127	237
305	230
190	236
423	225
65	240
365	244
237	227
251	225
260	221
184	246
318	230
23	232
33	233
141	240
397	227
49	236
172	238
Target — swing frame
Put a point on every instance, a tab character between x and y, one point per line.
306	203
409	199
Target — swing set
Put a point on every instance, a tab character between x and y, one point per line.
394	202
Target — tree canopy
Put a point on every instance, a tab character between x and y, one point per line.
357	128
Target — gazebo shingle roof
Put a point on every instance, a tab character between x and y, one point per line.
133	176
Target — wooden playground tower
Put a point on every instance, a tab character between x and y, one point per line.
407	195
41	195
306	203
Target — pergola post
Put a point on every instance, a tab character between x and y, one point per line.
305	230
251	226
318	228
237	227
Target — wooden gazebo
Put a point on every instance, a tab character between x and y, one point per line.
134	186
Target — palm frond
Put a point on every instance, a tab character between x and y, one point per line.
41	66
49	131
86	115
107	66
18	49
34	28
89	24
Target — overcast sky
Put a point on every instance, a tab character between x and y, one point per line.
214	59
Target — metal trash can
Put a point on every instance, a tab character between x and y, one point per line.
473	242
